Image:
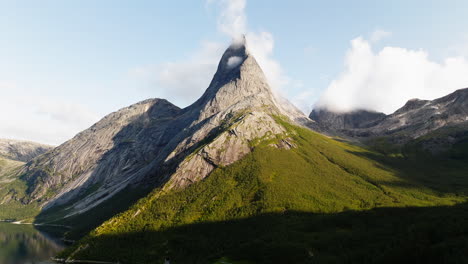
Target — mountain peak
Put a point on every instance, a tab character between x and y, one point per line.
240	83
238	79
239	41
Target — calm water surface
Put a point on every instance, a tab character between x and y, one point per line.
23	244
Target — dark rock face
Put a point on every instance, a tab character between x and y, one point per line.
156	144
343	121
21	150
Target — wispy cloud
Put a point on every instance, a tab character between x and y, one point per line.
379	35
42	119
233	22
182	82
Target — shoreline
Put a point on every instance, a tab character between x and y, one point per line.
15	222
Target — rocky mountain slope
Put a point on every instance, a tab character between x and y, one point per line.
330	120
415	119
13	155
154	143
305	204
21	150
239	176
242	180
105	157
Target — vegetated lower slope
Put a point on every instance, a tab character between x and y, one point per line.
6	168
10	192
305	204
13	155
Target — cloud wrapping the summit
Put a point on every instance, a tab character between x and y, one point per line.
261	45
386	80
232	20
182	82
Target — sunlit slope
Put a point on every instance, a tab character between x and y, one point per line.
320	175
12	190
7	166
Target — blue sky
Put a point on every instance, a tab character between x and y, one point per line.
66	64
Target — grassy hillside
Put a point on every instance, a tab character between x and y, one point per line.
294	206
11	191
7	166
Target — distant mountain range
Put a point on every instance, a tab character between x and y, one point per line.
440	123
22	150
415	119
242	175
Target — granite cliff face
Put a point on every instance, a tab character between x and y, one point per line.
21	150
348	120
105	157
154	143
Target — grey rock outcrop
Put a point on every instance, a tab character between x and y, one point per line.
348	120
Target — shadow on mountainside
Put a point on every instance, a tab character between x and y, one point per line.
443	173
440	176
383	235
146	141
140	142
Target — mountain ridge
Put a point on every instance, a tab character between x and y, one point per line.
318	177
155	143
413	120
240	157
22	150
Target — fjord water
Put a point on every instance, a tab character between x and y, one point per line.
23	244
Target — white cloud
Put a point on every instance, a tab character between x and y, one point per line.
379	34
261	46
181	82
40	118
233	62
302	100
385	80
232	20
67	113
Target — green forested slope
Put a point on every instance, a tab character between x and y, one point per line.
11	191
311	203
